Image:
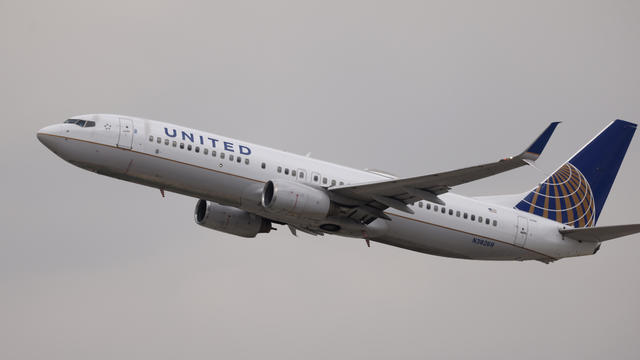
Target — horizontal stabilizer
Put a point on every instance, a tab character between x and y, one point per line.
601	233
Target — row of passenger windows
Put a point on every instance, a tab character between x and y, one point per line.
81	123
301	175
205	151
196	148
465	215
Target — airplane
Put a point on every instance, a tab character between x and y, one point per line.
245	189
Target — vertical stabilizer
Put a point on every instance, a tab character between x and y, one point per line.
576	192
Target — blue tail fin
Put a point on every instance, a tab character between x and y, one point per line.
576	192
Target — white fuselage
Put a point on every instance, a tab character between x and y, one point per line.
233	173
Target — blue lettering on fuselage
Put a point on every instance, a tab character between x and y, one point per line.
244	150
186	136
189	136
482	242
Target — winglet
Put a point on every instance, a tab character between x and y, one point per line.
534	151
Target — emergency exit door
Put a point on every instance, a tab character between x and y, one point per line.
125	140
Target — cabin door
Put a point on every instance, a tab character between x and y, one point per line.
522	231
125	140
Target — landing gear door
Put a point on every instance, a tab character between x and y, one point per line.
522	231
125	139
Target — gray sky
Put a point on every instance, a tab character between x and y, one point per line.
92	267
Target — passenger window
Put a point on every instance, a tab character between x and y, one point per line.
487	221
315	178
246	161
333	183
450	212
301	175
238	159
341	183
205	151
197	149
279	169
324	180
293	173
435	208
428	206
457	213
181	145
189	147
473	218
174	143
159	140
213	153
420	204
230	157
443	210
151	138
166	142
286	171
480	219
264	166
465	215
221	155
495	223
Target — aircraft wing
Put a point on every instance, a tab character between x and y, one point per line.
370	199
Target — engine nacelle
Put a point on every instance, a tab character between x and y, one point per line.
295	200
230	220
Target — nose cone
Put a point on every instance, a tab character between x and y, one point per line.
47	135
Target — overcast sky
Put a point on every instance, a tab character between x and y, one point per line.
96	268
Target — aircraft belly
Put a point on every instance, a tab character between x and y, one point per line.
154	171
441	240
91	156
191	180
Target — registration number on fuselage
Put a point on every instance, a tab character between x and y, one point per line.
482	242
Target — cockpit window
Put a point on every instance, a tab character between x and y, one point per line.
75	121
81	123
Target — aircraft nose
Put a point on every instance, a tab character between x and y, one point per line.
47	134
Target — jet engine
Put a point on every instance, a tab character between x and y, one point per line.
293	199
230	220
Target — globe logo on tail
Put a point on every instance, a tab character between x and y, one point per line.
565	197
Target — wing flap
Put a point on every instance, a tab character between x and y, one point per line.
601	233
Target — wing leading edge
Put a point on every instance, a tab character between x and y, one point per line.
370	199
